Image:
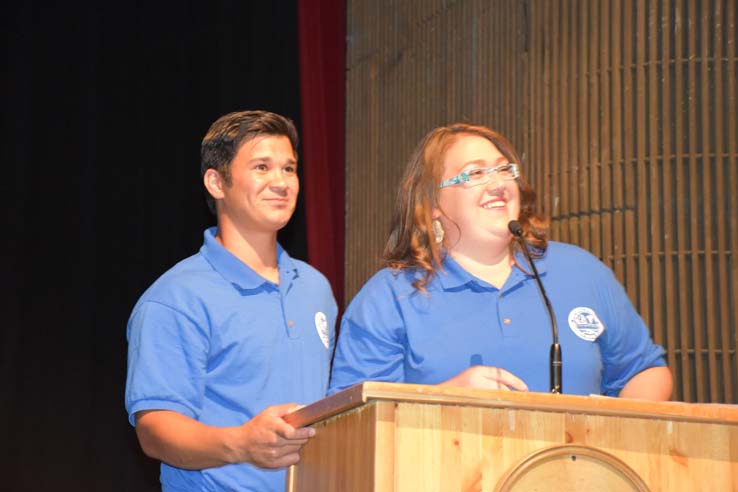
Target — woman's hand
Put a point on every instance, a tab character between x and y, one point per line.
486	377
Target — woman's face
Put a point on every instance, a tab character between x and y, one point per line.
475	216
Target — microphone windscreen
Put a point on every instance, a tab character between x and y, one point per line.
515	227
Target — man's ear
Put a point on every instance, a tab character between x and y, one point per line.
214	183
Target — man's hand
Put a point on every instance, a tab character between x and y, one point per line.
266	440
486	377
269	442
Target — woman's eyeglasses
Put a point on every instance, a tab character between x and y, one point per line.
482	175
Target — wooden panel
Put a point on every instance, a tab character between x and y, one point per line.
384	448
339	446
451	448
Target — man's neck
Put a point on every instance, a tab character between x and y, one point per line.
256	249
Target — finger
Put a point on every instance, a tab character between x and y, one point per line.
510	381
277	461
286	431
287	460
488	383
281	410
301	434
281	456
276	452
503	379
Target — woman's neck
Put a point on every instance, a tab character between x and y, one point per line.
493	266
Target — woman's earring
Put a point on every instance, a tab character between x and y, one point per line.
438	231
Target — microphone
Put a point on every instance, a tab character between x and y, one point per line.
555	354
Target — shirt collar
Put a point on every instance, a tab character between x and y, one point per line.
239	273
453	275
540	262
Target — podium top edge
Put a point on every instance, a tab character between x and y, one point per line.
362	393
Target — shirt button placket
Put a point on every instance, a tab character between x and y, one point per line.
505	321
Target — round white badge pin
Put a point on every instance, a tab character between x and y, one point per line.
321	325
585	324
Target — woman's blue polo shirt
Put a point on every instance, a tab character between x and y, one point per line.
391	332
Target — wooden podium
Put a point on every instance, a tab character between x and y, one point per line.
385	437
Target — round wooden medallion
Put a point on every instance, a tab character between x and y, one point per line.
571	468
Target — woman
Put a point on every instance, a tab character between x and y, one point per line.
456	304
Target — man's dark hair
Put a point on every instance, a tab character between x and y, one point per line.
229	132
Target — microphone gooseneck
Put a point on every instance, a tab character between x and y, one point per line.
555	354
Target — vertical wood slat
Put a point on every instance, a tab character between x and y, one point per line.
667	172
629	40
534	90
570	132
538	165
594	143
687	371
694	229
574	132
721	346
584	130
707	213
547	180
618	174
561	127
641	231
655	161
604	178
729	342
505	46
523	78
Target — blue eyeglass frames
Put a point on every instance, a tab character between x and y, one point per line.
481	175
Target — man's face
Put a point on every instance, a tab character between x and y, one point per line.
262	194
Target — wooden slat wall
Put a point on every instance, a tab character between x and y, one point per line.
655	164
627	113
413	65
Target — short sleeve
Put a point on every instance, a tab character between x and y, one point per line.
626	345
167	361
371	341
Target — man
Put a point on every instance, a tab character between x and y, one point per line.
221	342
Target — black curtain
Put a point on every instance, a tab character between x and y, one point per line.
103	110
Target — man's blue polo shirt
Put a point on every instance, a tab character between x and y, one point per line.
213	340
391	332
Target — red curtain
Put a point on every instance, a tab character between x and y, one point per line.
322	41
